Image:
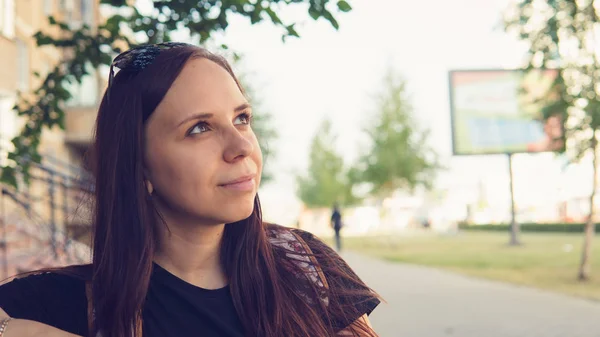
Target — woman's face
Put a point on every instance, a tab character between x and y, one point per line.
201	154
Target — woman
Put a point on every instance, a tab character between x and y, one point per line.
179	246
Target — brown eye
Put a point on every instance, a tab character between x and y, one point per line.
199	128
243	119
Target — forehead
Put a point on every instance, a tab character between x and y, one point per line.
203	86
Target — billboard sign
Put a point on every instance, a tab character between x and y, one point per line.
500	111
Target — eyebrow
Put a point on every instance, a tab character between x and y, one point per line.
208	115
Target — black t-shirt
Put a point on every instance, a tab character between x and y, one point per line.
173	307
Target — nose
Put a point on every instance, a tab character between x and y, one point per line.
239	145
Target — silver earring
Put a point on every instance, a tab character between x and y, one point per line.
149	187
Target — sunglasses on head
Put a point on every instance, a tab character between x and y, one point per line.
140	57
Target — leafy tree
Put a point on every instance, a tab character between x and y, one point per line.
90	47
399	155
327	180
562	34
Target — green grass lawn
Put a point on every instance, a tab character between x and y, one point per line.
543	261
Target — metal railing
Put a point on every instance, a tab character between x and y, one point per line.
44	211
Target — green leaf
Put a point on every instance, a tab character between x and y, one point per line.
256	16
315	14
8	176
344	6
292	31
274	17
115	3
327	15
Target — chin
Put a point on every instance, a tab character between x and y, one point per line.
238	211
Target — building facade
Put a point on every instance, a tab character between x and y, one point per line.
40	216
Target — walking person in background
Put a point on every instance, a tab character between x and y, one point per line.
336	223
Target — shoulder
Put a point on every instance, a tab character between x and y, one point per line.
347	296
278	232
311	256
51	280
313	244
42	282
54	297
300	244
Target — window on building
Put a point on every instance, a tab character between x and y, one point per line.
48	7
87	12
23	71
7	18
66	6
8	126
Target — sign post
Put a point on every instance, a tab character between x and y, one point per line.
514	225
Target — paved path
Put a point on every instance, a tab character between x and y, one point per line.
426	302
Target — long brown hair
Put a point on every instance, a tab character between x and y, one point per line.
125	226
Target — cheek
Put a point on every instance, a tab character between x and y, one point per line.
184	171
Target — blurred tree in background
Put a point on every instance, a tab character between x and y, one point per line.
399	156
90	47
563	34
327	180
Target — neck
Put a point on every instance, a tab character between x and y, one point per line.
193	254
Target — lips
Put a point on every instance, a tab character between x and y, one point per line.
239	180
244	183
